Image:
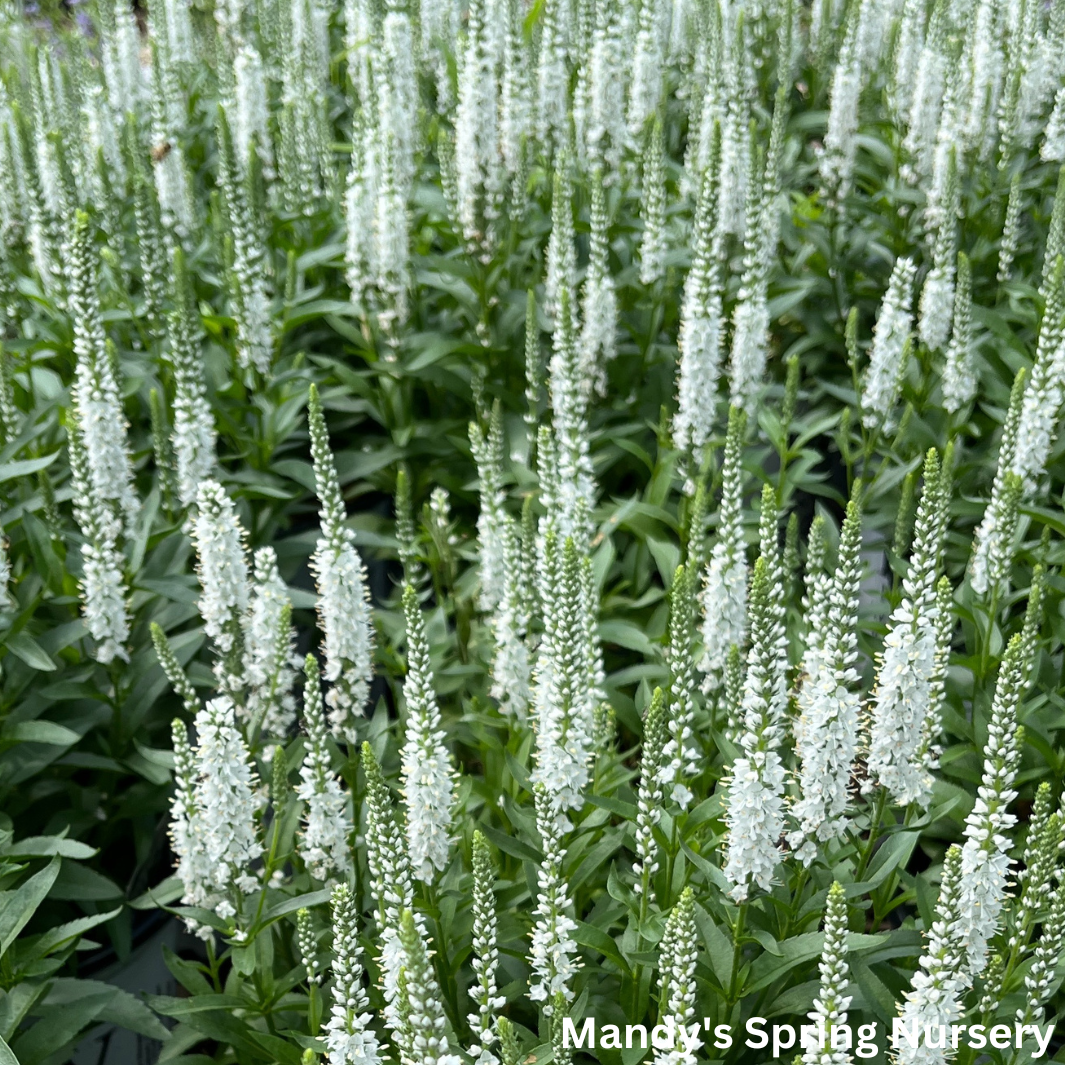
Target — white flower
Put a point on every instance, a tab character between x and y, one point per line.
920	140
827	731
121	59
359	39
511	669
390	880
391	247
701	337
344	613
563	697
103	589
193	437
959	371
653	207
936	307
1038	425
883	376
1029	433
646	86
428	779
649	793
186	831
345	618
837	160
552	77
269	640
902	699
831	1005
1053	149
1045	958
561	278
172	184
478	178
303	148
178	30
227	800
599	109
755	819
553	950
486	956
515	105
101	420
1011	226
492	519
905	713
701	334
935	995
572	485
985	859
907	56
725	582
323	844
106	610
735	136
348	1035
360	197
423	1039
222	567
681	754
248	277
750	336
250	109
755	811
397	88
677	990
599	304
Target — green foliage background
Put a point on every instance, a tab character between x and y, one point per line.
84	748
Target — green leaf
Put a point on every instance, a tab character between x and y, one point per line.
129	1012
590	936
769	968
187	973
42	732
796	1000
628	635
718	946
6	1056
15	1006
23	903
24	646
48	847
666	554
879	999
511	845
169	890
64	933
23	467
170	1006
300	902
892	854
61	1026
78	883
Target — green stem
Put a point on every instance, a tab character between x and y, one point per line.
874	833
793	911
671	863
212	961
737	950
985	643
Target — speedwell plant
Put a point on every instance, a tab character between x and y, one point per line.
520	516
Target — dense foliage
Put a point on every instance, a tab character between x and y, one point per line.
521	513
